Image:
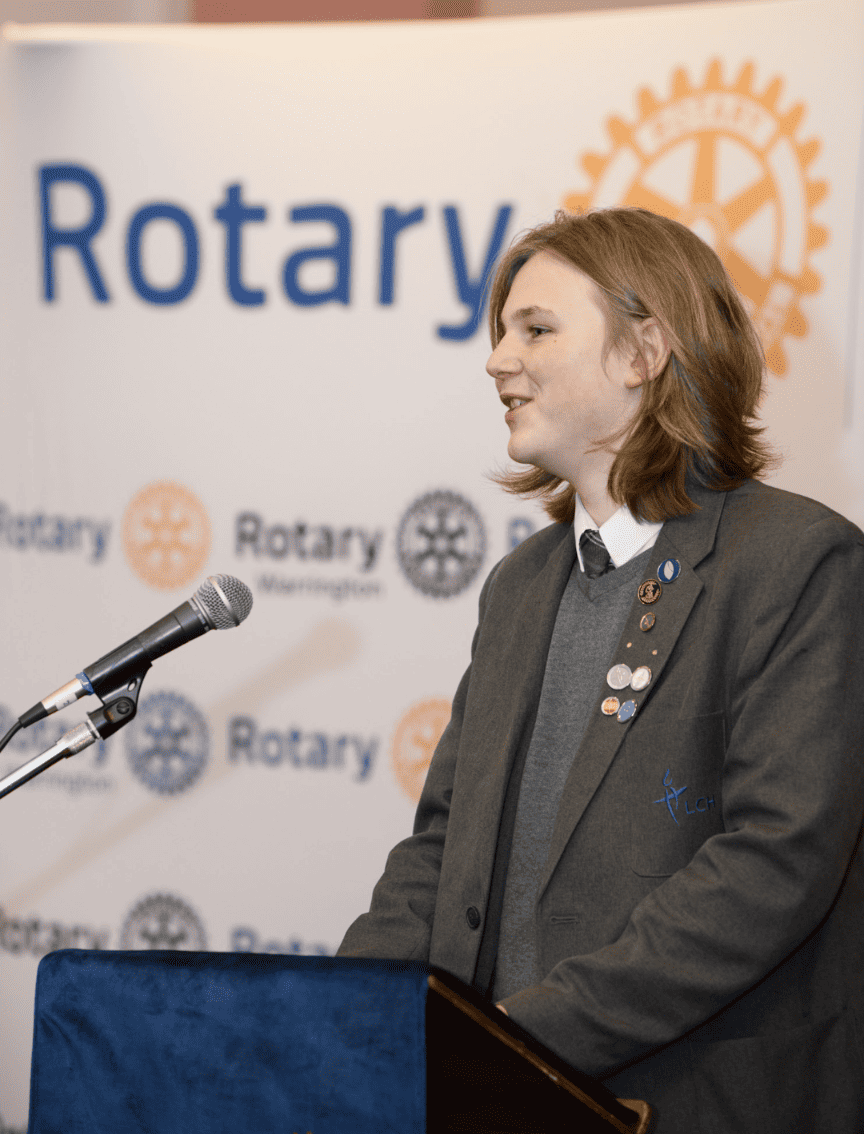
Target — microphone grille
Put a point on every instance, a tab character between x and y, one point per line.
225	601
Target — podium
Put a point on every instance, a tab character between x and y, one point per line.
236	1043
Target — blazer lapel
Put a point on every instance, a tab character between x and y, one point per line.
520	624
688	539
509	689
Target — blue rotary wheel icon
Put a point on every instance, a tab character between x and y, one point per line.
167	744
440	543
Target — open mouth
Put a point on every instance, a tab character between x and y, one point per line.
514	404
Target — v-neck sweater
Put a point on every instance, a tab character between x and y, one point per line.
588	625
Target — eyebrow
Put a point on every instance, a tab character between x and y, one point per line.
530	313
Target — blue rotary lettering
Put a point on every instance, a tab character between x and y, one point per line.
42	532
306	541
392	223
302	750
233	213
246	940
471	292
79	239
339	252
37	936
189	237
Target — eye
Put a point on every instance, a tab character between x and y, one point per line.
535	332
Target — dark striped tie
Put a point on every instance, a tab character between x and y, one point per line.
594	554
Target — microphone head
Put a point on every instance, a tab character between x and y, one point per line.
223	601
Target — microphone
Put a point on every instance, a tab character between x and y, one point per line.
219	603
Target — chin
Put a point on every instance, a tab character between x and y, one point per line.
519	458
518	452
522	454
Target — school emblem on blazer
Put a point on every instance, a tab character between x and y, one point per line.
163	921
440	544
675	796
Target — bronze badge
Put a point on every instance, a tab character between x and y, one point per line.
650	591
611	706
647	620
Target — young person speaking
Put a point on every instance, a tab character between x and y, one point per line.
639	833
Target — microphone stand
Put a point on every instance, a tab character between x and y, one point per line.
75	740
118	709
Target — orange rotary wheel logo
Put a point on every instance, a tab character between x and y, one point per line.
166	535
417	736
724	161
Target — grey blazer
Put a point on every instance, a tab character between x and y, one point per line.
701	915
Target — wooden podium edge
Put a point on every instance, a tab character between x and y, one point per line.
643	1113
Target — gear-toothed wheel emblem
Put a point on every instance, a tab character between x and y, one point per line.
725	162
163	921
166	535
414	743
440	544
168	743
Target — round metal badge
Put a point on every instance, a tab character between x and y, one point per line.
647	620
626	711
649	591
669	570
619	676
610	706
641	678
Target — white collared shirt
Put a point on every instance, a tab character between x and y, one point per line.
623	535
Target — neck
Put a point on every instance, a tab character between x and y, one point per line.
593	490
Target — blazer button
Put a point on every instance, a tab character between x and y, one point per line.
472	916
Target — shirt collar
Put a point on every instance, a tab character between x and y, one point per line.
623	535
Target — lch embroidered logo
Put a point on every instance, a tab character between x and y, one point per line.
703	804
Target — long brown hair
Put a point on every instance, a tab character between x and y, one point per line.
696	418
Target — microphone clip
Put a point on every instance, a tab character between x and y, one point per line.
120	705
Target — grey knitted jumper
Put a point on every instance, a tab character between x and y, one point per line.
588	625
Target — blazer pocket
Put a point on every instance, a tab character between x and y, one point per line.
675	775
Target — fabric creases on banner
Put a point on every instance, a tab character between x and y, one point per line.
243	317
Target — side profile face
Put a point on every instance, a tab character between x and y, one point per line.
562	396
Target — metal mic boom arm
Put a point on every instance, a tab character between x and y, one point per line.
118	708
75	740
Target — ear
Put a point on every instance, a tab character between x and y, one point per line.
654	351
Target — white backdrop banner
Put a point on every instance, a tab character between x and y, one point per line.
243	279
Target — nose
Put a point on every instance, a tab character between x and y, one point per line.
502	362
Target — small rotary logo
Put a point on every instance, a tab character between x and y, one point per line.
162	921
725	161
414	743
166	535
167	743
440	543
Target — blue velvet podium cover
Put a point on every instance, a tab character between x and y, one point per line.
227	1043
